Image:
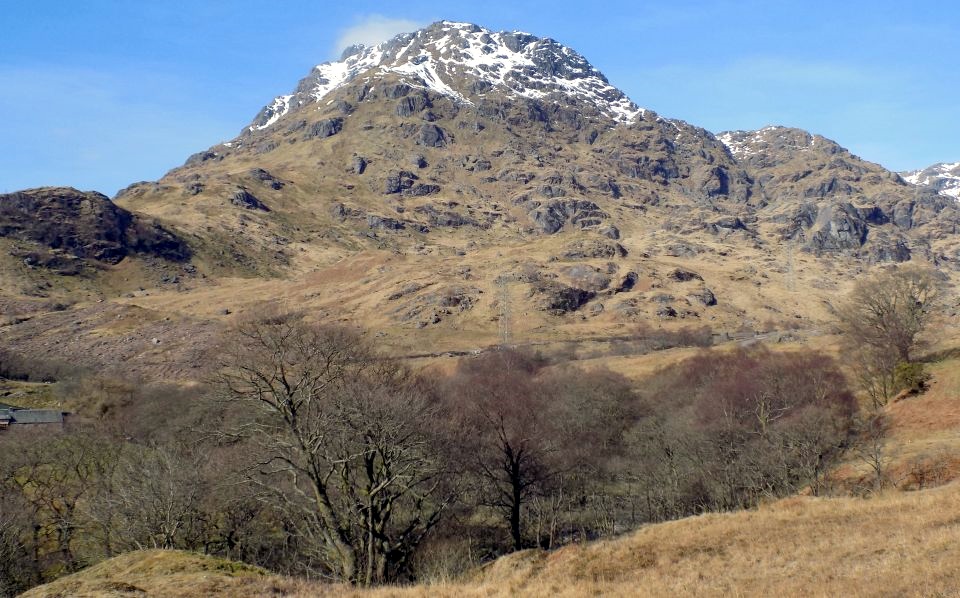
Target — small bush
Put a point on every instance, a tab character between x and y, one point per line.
657	339
910	377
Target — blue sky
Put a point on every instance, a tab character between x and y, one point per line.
99	94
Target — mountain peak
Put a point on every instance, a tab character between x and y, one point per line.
465	62
944	177
744	144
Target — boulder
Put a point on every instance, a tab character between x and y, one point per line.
627	283
359	164
702	296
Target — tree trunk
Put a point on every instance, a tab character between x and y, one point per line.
517	497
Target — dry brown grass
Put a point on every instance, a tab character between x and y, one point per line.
897	544
172	573
922	444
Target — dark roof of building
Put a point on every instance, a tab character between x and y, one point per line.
32	416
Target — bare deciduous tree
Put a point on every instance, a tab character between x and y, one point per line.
888	311
344	441
536	436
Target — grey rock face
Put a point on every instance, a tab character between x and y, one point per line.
432	136
324	128
385	223
445	218
551	216
887	250
587	277
400	182
412	104
558	299
396	90
248	201
839	228
609	231
726	224
266	178
200	157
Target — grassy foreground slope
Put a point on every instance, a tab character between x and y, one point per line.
897	544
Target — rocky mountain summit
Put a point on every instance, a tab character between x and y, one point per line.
942	176
464	62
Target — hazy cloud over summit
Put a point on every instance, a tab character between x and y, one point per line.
373	29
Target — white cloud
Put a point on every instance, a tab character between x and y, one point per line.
373	29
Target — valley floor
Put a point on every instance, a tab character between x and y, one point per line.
896	544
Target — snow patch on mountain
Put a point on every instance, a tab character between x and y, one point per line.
273	112
944	177
446	53
743	144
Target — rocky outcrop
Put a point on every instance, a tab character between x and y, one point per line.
629	281
445	218
839	227
248	201
324	128
549	217
593	248
587	277
435	306
85	225
400	182
432	136
557	298
681	275
262	176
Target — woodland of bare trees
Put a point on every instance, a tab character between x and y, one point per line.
308	452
